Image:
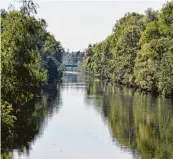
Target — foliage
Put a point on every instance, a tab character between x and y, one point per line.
22	73
26	48
138	53
7	119
166	73
52	57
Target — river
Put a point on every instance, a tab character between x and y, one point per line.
79	119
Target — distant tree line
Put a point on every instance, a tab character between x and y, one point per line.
72	57
30	56
138	53
75	58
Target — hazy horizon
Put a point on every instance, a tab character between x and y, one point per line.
76	24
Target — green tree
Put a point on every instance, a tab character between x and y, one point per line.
22	74
136	51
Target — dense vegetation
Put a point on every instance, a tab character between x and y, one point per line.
138	53
30	56
139	122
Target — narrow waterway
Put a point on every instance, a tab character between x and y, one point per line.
94	120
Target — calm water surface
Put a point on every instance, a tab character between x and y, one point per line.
93	120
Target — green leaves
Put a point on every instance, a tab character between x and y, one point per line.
7	119
21	61
52	56
136	52
25	46
151	32
165	83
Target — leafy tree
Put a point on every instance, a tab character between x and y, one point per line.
52	56
166	19
21	60
150	15
136	51
24	47
151	32
165	84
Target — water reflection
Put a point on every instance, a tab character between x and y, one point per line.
73	77
139	122
30	122
97	120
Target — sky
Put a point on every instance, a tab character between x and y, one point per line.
76	24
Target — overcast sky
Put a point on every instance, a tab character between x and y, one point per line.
79	23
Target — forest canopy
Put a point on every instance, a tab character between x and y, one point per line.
138	53
30	56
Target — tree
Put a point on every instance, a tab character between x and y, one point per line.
21	60
136	51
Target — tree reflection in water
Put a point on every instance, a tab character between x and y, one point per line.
137	121
30	121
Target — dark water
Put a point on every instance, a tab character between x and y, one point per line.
93	120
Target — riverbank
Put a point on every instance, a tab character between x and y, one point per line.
138	53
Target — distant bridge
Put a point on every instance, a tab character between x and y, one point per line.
70	65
